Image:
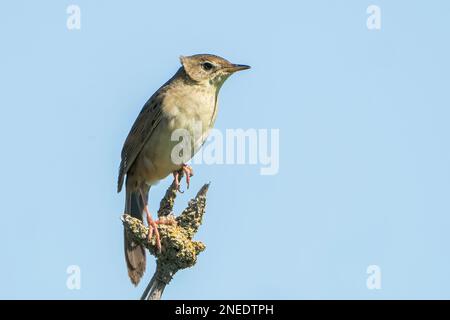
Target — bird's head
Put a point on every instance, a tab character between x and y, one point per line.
209	69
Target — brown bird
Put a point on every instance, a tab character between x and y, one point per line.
188	99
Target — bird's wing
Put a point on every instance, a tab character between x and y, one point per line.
146	122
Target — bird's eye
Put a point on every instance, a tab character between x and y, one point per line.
207	66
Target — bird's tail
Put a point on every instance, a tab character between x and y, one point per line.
135	253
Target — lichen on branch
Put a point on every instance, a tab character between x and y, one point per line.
179	250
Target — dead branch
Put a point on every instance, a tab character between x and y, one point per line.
179	251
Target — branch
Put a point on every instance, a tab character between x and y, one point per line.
178	251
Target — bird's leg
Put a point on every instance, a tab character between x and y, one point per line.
153	228
187	170
176	180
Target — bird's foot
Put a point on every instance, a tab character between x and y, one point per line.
153	228
185	169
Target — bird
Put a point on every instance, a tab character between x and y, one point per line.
185	101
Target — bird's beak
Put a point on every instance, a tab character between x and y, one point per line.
237	67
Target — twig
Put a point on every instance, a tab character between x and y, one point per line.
179	251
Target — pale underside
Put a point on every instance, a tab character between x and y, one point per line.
180	109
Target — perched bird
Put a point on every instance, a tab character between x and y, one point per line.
188	99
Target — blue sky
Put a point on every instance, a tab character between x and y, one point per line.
363	115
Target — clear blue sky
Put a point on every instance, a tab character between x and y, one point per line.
364	146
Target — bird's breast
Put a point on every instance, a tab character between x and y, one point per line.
195	113
184	116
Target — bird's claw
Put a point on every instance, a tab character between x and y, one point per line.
153	229
186	170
